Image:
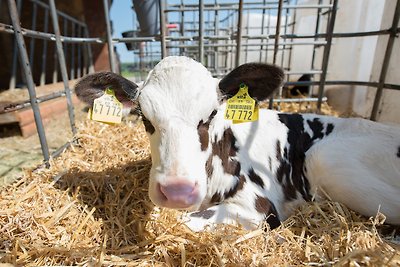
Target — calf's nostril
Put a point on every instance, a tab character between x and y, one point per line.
173	190
179	194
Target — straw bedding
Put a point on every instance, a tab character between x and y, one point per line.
91	208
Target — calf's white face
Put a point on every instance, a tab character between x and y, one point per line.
178	101
178	94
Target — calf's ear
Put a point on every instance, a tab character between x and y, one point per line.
92	86
262	80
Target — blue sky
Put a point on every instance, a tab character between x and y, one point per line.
121	15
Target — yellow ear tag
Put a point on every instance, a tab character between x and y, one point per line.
241	107
106	108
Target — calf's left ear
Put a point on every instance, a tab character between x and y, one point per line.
93	86
262	80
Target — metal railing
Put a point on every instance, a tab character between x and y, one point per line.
83	65
79	53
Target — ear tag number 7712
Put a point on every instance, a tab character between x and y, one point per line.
241	107
106	108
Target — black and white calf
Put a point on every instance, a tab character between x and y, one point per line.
252	172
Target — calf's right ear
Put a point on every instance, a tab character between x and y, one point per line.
262	80
92	86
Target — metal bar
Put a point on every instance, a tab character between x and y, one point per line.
262	31
239	33
145	39
276	45
63	67
51	37
65	32
72	66
256	3
32	41
13	79
182	27
89	51
44	50
201	31
284	46
55	62
299	100
277	31
109	37
293	27
306	36
303	72
317	23
162	30
61	14
268	31
26	68
236	6
247	32
327	50
231	21
79	69
61	149
13	107
252	44
216	32
386	62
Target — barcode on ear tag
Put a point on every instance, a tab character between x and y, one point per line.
106	108
241	107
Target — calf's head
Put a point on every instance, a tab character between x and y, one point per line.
178	102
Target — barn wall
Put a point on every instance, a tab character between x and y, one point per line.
389	108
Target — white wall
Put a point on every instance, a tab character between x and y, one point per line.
360	59
351	59
389	108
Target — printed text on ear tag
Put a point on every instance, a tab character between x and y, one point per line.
106	108
241	107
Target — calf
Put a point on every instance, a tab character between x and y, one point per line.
251	172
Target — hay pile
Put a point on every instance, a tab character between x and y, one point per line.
91	208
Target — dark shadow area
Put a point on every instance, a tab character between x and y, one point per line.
120	197
10	130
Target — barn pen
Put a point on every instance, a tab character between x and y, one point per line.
87	204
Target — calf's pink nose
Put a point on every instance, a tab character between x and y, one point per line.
180	194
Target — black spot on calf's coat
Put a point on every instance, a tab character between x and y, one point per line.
255	178
206	214
225	149
329	128
148	126
202	130
317	128
237	187
290	173
264	206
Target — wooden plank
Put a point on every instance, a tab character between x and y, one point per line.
7	118
26	119
16	96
